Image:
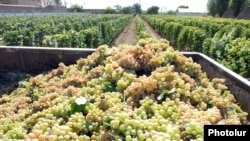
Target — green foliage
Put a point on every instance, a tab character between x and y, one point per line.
233	32
222	6
106	123
92	37
109	10
109	86
237	6
58	2
217	7
206	45
141	31
12	38
118	7
171	12
217	46
224	40
89	37
197	39
211	28
212	7
78	105
137	8
184	37
77	108
247	3
58	40
237	56
166	93
127	10
76	8
62	30
111	29
190	38
153	10
182	6
172	31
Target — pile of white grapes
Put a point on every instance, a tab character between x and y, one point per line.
145	92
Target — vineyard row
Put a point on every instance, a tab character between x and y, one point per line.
226	41
62	31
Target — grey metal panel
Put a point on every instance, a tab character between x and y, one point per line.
38	59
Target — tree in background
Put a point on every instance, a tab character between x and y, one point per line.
222	6
137	8
171	12
212	7
76	8
109	10
237	6
183	6
247	3
153	10
118	7
217	7
127	10
58	2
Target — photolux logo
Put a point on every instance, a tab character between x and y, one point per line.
220	132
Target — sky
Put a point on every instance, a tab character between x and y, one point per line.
164	5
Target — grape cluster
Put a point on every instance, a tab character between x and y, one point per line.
146	92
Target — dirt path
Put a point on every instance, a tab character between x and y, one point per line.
152	31
128	36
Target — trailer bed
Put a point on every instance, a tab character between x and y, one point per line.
17	62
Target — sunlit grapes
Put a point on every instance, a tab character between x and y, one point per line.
145	92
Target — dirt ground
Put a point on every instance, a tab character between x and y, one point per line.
128	36
152	32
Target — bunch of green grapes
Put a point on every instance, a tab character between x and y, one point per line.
145	92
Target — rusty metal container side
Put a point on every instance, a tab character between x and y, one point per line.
38	59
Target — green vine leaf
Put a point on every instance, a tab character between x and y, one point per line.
110	87
106	123
165	93
78	105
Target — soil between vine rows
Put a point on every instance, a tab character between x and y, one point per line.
128	36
